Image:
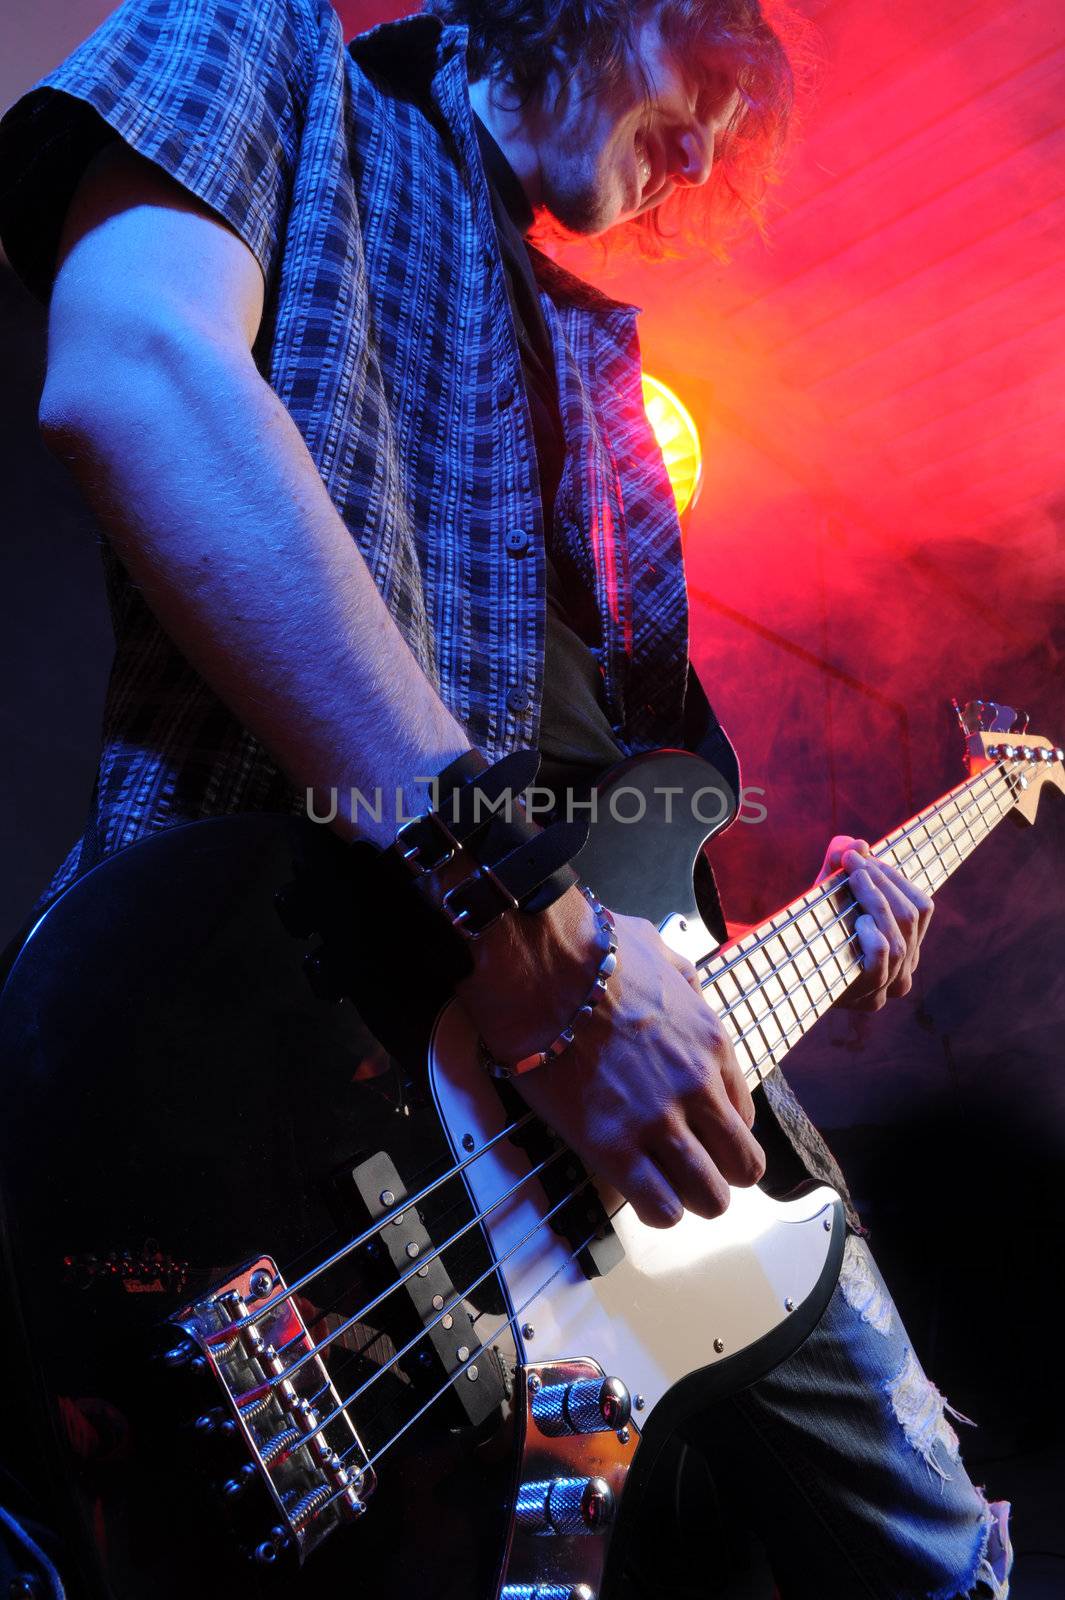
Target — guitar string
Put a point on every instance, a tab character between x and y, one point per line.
387	1218
756	1025
411	1272
493	1266
793	917
808	943
833	887
496	1263
358	1316
770	1054
368	1233
460	1296
511	1320
508	1322
853	967
988	776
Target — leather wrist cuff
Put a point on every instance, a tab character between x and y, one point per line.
464	798
519	864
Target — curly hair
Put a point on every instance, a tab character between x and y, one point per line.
756	44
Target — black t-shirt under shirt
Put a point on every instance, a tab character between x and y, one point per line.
576	739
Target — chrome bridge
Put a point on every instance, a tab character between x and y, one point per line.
303	1446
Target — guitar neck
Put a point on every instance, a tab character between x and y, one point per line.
771	986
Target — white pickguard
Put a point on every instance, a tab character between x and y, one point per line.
683	1298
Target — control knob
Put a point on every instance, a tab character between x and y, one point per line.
565	1505
591	1405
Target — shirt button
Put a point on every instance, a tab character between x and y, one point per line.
519	701
505	393
517	542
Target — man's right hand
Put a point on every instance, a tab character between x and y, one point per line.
650	1094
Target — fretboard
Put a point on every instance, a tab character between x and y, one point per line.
772	985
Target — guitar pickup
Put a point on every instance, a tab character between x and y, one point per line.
425	1311
582	1220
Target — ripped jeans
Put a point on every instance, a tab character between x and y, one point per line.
843	1464
861	1491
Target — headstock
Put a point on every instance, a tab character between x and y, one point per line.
998	735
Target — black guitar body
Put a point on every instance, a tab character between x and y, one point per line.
178	1103
177	1095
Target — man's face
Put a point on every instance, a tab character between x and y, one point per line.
609	153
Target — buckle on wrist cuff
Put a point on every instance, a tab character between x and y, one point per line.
477	903
426	843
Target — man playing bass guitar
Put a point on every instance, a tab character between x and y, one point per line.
376	490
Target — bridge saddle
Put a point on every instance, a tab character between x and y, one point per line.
303	1446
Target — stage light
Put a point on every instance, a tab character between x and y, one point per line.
678	439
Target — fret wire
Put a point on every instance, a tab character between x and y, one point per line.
928	873
855	966
790	962
972	798
967	825
758	1025
814	1003
803	903
915	853
988	801
757	1019
776	970
981	803
757	1064
823	929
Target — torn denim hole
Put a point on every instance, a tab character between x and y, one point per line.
862	1289
996	1561
922	1413
989	1578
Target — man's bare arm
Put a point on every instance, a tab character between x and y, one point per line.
218	512
211	498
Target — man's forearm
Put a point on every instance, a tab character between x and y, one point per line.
214	505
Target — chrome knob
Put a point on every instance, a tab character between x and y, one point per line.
565	1505
546	1591
591	1405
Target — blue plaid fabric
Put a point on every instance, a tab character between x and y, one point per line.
354	176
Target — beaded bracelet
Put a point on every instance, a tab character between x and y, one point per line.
608	961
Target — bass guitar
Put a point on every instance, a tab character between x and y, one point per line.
294	1314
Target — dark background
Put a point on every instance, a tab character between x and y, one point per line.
879	395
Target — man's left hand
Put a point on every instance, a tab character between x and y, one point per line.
893	920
